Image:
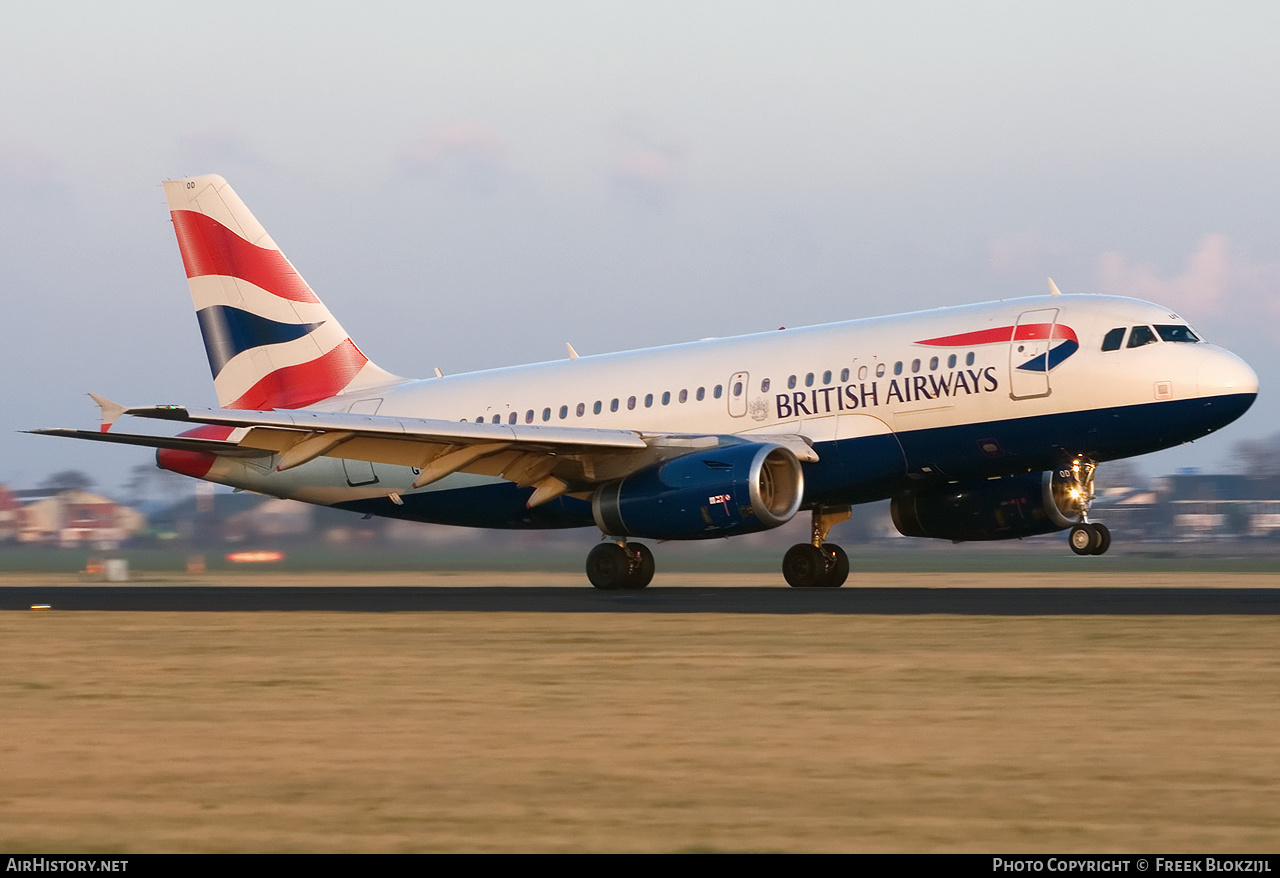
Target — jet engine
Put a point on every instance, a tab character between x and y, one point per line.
720	492
992	509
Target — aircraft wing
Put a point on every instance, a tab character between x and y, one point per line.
552	460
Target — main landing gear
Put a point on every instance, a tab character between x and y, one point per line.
1085	538
818	564
618	565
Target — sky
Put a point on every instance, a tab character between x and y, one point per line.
469	185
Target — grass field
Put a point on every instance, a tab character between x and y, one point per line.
130	732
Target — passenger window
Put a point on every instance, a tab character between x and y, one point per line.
511	418
897	368
880	370
595	409
862	373
933	364
564	412
1141	335
808	380
648	400
613	404
631	403
582	409
1176	332
480	420
968	358
718	391
951	361
546	414
826	377
497	419
1112	340
791	383
666	397
764	386
702	392
844	374
737	388
684	395
915	365
528	416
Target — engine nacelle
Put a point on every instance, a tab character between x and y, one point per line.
992	509
732	489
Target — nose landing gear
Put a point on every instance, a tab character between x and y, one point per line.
1085	538
1089	539
818	564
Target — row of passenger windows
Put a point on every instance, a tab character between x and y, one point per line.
1143	335
614	404
717	392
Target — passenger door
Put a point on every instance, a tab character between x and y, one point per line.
1028	354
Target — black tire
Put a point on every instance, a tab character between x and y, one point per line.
804	566
608	566
642	575
1104	539
1083	539
838	571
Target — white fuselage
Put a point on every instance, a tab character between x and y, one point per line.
964	408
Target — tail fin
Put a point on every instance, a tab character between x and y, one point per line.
272	344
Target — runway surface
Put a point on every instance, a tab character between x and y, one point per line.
1060	601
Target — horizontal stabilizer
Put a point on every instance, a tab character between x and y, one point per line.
176	443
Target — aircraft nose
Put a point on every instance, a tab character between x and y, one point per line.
1222	373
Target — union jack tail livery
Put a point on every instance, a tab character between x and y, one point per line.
271	342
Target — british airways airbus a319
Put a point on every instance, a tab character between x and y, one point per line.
981	422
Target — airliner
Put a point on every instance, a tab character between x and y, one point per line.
979	422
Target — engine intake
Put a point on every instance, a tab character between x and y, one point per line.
993	509
733	489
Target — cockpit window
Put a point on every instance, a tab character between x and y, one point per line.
1111	341
1141	335
1176	332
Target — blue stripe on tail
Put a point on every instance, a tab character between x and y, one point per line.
230	331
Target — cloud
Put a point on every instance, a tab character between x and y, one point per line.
649	166
1217	275
25	171
218	150
646	165
463	141
1025	252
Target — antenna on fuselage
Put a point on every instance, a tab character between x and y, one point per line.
1053	288
573	355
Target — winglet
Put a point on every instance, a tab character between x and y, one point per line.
111	411
1053	288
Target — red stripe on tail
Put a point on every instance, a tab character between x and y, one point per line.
209	247
295	387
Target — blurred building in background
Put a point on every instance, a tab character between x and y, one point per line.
72	519
1185	508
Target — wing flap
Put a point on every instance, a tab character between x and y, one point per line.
418	429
